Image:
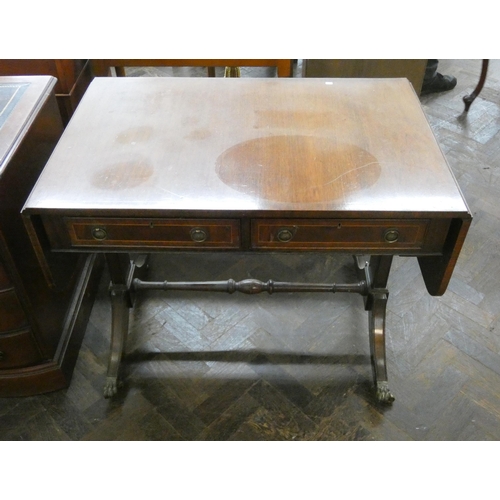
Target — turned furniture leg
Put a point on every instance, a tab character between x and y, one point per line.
376	271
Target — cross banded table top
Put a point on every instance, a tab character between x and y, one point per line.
248	145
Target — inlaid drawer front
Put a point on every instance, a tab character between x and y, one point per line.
150	233
11	313
18	350
345	234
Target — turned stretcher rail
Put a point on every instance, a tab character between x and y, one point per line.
251	286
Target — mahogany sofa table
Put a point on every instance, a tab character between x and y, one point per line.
252	165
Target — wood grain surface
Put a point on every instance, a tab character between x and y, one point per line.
248	145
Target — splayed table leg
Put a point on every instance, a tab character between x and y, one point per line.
376	272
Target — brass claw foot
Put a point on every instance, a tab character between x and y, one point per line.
384	395
110	387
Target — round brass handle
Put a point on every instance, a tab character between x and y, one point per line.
285	235
199	235
99	233
391	235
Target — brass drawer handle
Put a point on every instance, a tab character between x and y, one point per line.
198	234
391	235
285	235
99	233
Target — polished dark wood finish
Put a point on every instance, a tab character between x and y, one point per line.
41	326
309	164
437	271
160	166
250	286
378	235
376	270
152	233
73	78
102	67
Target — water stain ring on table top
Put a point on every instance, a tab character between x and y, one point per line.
123	175
296	168
134	135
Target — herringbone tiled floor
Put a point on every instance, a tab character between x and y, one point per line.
203	367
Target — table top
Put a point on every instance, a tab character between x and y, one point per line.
250	146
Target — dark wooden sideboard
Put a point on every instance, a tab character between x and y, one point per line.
41	325
73	78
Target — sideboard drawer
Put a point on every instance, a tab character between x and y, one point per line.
342	234
151	233
12	316
18	350
4	278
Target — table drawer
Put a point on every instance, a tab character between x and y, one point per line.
18	350
151	233
342	234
